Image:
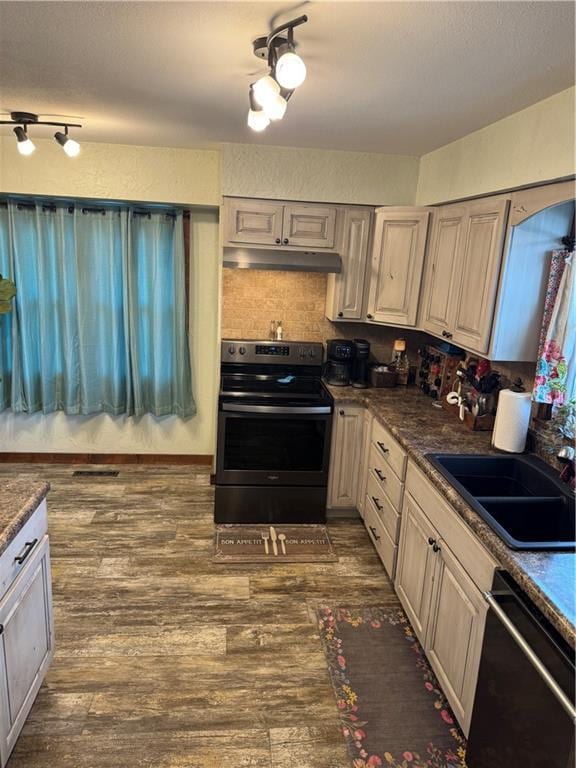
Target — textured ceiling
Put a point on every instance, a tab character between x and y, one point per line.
395	77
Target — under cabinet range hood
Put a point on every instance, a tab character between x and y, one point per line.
282	259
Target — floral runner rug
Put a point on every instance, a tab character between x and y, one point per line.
273	544
392	710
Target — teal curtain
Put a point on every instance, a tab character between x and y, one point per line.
99	321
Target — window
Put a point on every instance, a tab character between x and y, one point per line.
99	320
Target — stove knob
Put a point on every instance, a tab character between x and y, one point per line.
231	349
242	350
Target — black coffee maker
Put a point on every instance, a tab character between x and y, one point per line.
360	371
340	354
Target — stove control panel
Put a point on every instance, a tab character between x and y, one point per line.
270	352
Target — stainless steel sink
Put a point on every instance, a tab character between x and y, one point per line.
520	497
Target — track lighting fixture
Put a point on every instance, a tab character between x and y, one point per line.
22	120
269	95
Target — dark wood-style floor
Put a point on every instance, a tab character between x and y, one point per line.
164	659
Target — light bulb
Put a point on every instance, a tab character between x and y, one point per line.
276	108
72	148
265	90
290	70
258	120
25	145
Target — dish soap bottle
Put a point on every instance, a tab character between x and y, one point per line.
272	334
279	330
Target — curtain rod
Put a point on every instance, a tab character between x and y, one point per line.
52	207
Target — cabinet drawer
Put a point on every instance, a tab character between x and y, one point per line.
384	545
389	449
477	561
383	507
385	478
34	529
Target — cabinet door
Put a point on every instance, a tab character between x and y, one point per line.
456	628
364	463
309	226
415	570
345	296
345	458
25	644
396	268
441	260
478	272
252	221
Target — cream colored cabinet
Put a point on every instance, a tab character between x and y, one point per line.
441	260
442	573
279	224
476	282
456	627
364	462
463	271
310	226
345	294
345	454
415	570
253	221
396	266
26	646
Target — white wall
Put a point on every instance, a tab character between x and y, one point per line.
103	433
113	171
286	173
527	147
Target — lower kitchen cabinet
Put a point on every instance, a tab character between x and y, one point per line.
347	432
440	584
455	632
26	640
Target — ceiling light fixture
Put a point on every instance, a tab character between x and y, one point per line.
269	95
22	121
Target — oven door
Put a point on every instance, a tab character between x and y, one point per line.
273	445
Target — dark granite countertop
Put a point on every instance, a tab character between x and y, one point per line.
19	498
548	578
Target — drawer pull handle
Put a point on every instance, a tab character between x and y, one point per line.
373	532
28	547
382	447
378	506
379	474
1	628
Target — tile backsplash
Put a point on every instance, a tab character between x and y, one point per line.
251	298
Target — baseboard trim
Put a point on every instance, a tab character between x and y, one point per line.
105	458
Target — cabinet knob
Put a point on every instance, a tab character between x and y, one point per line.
374	533
369	317
431	541
1	628
341	412
285	241
340	314
447	334
278	241
436	548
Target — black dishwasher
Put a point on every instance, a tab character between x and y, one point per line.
523	714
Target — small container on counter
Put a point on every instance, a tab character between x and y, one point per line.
383	376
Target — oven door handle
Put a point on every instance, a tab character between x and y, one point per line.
531	656
275	409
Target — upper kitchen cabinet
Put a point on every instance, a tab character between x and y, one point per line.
396	267
487	268
279	224
345	295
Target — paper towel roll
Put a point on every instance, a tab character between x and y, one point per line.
512	419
